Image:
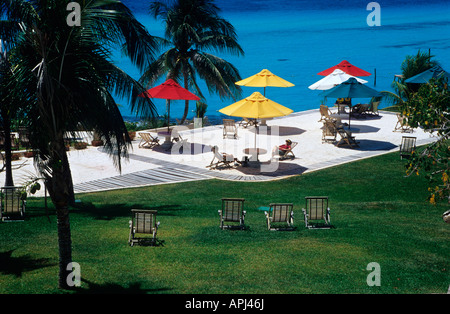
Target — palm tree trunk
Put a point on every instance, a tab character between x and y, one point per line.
8	154
186	102
59	187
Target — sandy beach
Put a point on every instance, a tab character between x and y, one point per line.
93	170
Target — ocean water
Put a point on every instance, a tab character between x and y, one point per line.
297	39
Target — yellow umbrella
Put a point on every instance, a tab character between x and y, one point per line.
256	106
263	79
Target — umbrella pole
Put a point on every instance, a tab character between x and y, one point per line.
168	115
349	116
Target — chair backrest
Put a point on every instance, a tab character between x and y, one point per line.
316	207
232	209
324	110
329	128
408	144
146	136
375	105
144	220
11	199
281	212
229	124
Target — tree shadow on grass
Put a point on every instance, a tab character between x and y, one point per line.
113	288
16	266
113	211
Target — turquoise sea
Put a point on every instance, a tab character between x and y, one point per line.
297	39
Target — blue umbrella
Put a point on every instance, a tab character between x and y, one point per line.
351	89
427	75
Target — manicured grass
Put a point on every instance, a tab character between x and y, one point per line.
379	216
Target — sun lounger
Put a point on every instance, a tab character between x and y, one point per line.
360	110
221	159
248	122
229	128
12	204
232	212
280	216
143	222
407	146
317	212
346	139
147	140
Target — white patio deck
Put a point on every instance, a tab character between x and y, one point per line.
93	170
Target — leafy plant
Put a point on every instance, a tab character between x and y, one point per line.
429	109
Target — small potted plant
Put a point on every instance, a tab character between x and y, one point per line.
96	141
80	145
131	128
28	154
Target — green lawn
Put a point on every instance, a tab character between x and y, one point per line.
379	216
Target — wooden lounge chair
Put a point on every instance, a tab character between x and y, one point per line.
359	110
221	159
407	146
232	212
147	140
317	212
280	216
373	108
143	222
402	124
346	139
12	205
248	122
229	128
289	153
329	131
325	113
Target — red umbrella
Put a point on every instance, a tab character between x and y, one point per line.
169	90
347	67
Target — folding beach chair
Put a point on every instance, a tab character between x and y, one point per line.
229	128
147	140
402	124
289	153
317	210
248	122
346	138
329	132
407	146
280	213
325	113
221	159
143	222
12	205
232	212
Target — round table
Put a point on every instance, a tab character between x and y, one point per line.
254	152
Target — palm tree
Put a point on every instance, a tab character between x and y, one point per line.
411	66
193	29
68	77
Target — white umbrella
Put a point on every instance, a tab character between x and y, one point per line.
333	79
